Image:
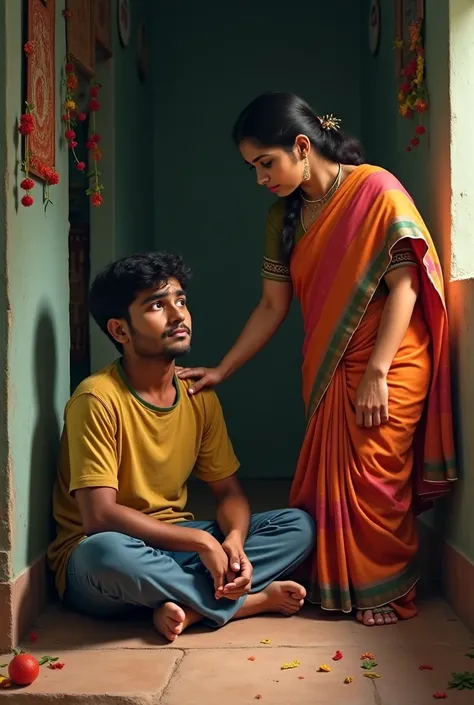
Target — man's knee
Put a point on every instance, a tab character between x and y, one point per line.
107	553
303	528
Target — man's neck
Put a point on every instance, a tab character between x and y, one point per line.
151	379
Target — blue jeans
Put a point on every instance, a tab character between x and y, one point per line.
110	573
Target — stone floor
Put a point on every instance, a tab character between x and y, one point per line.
128	664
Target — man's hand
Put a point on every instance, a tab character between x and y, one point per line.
238	573
215	559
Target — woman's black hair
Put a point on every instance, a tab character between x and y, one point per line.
275	120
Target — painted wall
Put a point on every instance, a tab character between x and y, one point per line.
125	223
5	484
38	351
208	66
427	175
37	284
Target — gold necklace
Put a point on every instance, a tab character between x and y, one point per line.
314	206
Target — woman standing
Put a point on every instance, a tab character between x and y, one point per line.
348	240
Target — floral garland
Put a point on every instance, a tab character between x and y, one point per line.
26	127
70	117
413	94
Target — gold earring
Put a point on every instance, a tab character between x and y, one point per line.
306	172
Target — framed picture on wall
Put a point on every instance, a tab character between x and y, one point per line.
103	28
81	35
406	12
41	84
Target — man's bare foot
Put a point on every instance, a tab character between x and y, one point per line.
378	617
170	620
285	597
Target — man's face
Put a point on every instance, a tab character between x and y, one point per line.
160	323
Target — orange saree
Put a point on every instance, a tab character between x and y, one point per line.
364	486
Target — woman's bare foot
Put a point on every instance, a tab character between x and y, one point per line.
170	620
285	597
378	617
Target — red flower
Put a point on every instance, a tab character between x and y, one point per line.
96	154
29	48
65	117
80	166
90	144
96	137
33	635
337	656
425	667
420	130
408	149
69	134
72	144
410	69
70	68
27	200
421	105
415	141
95	91
52	177
27	184
81	117
439	696
57	665
71	81
94	105
27	124
96	199
406	87
67	14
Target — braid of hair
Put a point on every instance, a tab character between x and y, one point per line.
290	220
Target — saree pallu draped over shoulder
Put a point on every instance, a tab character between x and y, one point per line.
364	486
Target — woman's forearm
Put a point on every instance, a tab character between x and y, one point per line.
395	320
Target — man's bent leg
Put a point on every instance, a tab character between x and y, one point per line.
278	542
109	573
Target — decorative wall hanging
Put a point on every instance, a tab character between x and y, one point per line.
40	150
103	29
124	21
410	56
81	34
374	26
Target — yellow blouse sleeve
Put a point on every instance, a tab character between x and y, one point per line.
273	266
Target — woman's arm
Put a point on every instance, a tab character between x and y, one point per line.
261	326
372	394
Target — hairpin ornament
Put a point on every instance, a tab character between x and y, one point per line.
329	122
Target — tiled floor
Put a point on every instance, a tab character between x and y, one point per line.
126	663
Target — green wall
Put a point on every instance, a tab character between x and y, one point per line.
5	484
426	174
38	350
37	285
124	224
208	66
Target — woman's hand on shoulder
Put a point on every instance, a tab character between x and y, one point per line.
205	376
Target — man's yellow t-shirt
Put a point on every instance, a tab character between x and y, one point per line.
112	438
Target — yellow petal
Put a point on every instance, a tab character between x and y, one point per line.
349	679
290	664
324	668
265	641
372	675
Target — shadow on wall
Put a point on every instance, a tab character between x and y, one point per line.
44	452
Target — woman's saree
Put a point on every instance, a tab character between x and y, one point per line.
364	486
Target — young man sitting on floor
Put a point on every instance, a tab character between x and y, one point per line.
131	439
